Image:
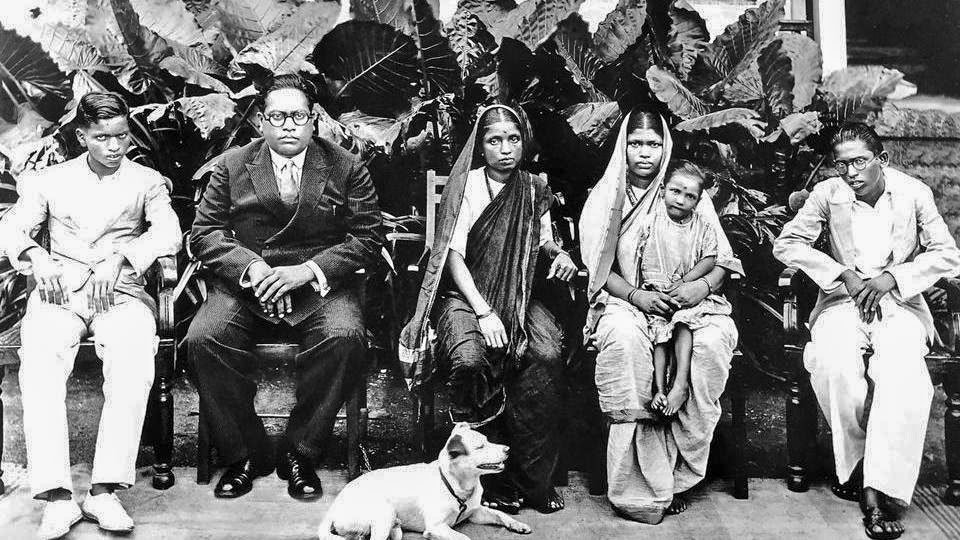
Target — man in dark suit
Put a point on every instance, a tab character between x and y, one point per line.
284	224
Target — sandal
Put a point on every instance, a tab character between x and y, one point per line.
848	492
552	503
877	526
506	503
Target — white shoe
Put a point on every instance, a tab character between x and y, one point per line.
58	517
107	511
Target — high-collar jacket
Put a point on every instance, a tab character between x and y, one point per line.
923	250
241	219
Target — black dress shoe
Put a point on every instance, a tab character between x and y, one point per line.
237	480
302	481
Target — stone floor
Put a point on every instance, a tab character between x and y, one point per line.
189	511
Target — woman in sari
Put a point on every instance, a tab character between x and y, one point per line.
650	463
497	347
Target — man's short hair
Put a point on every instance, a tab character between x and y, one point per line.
289	80
858	131
96	106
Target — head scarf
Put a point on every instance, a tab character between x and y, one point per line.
414	340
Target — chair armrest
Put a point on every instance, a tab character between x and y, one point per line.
952	288
163	273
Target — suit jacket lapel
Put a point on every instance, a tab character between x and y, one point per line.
313	181
841	223
265	183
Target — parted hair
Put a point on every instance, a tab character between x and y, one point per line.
857	131
688	169
288	80
96	106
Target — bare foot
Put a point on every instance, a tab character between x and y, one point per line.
678	505
675	399
658	402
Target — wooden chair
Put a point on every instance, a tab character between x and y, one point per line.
158	426
798	293
356	407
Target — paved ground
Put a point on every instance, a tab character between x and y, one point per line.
189	511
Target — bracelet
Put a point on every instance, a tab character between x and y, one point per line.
709	288
630	295
486	314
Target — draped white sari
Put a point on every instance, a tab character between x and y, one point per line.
647	463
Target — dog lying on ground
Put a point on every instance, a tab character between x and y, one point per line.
426	497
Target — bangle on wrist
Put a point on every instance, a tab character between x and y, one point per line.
630	295
485	314
707	283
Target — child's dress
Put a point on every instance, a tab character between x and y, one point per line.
667	250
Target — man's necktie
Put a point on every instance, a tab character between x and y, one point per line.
289	192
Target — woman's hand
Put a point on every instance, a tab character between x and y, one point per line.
562	267
494	333
690	294
654	302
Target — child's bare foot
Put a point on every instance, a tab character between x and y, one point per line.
675	399
658	402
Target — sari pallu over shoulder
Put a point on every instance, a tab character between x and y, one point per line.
524	192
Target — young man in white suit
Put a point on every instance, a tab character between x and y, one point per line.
108	219
888	243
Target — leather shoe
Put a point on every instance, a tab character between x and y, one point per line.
301	476
237	480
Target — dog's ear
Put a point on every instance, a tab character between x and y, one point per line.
455	447
461	425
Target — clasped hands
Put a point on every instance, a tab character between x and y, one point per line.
867	294
99	289
677	296
272	285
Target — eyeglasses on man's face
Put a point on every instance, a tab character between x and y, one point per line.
278	118
859	164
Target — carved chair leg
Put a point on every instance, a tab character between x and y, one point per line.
2	372
801	431
951	385
203	448
738	401
163	477
354	411
425	411
597	479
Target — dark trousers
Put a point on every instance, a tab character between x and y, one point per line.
479	380
333	356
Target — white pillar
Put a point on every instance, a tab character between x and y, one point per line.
830	28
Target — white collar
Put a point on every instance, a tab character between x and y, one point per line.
85	167
279	161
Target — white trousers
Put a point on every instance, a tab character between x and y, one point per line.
888	433
125	339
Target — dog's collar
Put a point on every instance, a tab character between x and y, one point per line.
461	501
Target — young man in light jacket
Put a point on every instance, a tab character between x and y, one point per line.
888	243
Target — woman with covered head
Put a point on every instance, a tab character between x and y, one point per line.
496	345
651	460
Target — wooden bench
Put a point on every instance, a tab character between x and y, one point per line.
158	426
798	293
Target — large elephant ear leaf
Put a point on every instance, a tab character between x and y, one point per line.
69	48
747	87
718	119
197	66
372	64
285	49
776	73
681	101
740	44
593	121
245	21
28	75
145	46
489	12
806	65
170	19
439	60
395	13
852	93
572	40
472	44
687	38
534	21
209	112
619	30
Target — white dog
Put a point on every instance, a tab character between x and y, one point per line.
426	497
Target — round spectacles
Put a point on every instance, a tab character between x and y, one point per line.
859	164
278	118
